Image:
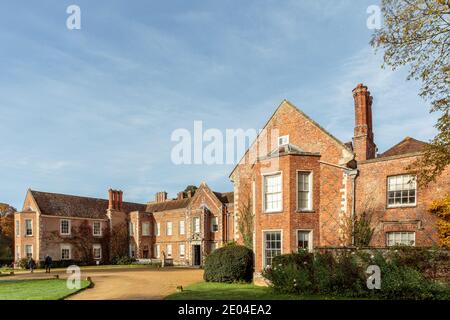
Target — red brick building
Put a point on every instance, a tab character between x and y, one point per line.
183	230
306	187
303	185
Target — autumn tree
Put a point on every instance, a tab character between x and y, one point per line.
416	33
441	208
119	240
6	231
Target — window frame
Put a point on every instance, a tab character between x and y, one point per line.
26	251
169	253
157	229
310	191
212	224
194	225
169	223
146	229
31	228
69	225
310	240
17	225
264	177
65	247
157	251
181	222
182	253
401	244
131	228
283	137
264	266
132	250
99	228
99	247
393	206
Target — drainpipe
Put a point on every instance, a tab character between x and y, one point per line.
353	174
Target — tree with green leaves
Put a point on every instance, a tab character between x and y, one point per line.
416	33
246	222
190	188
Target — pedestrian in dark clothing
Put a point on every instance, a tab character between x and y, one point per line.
48	263
31	264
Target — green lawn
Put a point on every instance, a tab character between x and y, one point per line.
6	271
225	291
53	289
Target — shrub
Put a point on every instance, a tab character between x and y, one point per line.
291	273
6	263
23	263
348	276
403	282
232	263
122	260
305	273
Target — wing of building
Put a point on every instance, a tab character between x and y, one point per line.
85	230
301	187
308	189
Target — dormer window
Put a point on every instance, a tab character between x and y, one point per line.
283	140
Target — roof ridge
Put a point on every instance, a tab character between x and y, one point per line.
78	196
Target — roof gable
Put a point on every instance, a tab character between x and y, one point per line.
286	104
407	145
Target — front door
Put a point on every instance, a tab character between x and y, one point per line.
197	258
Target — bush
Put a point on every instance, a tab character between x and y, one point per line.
305	273
403	282
122	260
232	263
348	276
343	274
291	273
6	263
23	263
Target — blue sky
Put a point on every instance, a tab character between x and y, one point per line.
89	109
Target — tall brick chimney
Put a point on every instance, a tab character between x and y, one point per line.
111	199
115	199
363	143
161	196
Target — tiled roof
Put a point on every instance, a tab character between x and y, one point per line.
225	197
75	206
407	145
168	205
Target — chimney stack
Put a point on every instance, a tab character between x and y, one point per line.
115	199
180	195
120	194
110	197
363	142
161	196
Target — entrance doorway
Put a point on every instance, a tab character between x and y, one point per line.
196	255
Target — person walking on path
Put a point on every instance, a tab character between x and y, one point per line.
48	263
31	264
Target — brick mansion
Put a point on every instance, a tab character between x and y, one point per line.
302	193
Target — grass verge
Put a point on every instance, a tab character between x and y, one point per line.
37	289
236	291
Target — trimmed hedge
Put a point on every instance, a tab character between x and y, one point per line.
232	263
404	274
